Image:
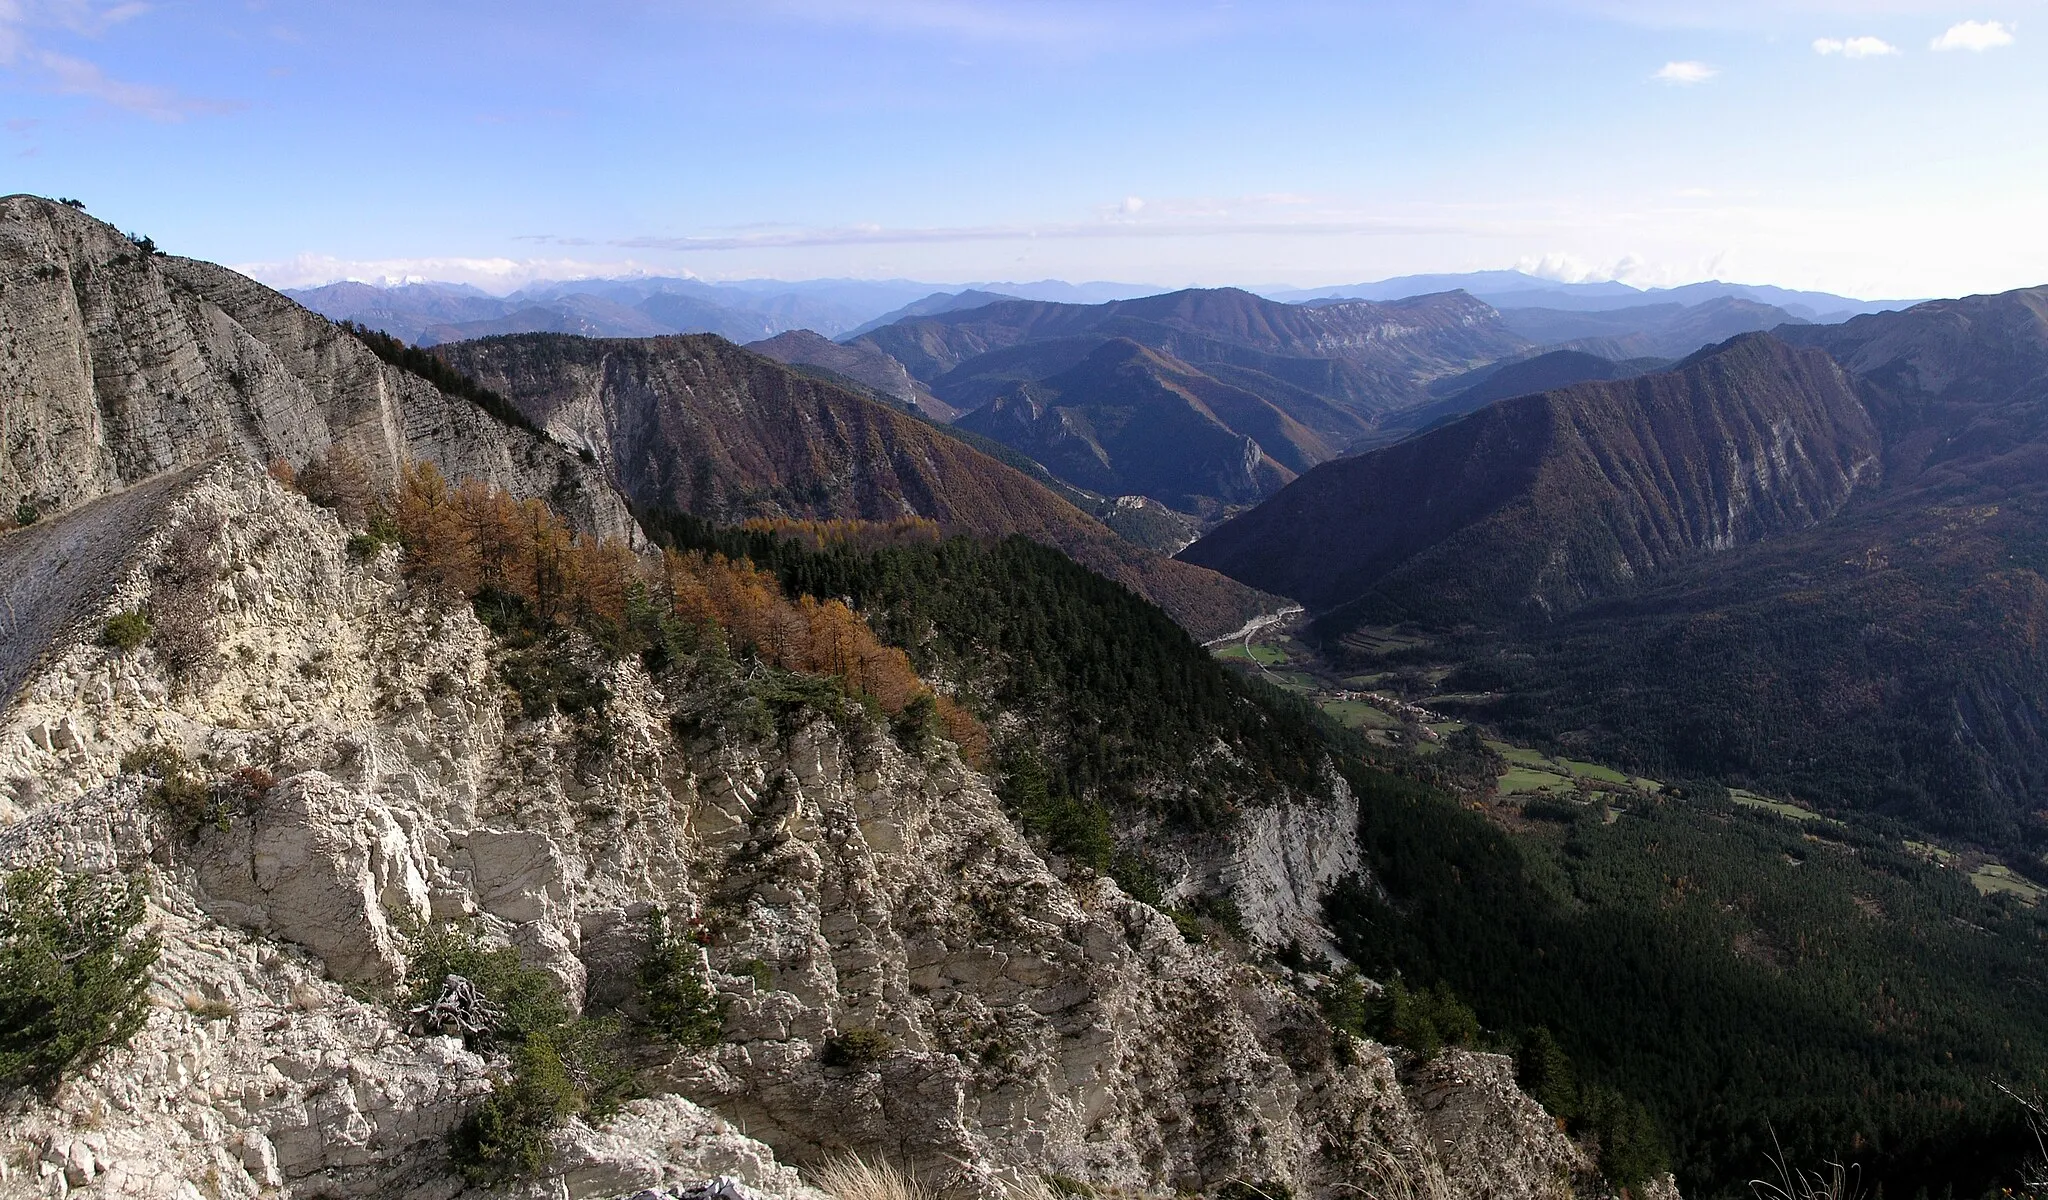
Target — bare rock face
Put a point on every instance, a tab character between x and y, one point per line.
124	364
323	867
903	975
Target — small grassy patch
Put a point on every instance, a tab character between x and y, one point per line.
1357	714
1521	756
1749	799
1259	653
1997	877
1586	770
1529	780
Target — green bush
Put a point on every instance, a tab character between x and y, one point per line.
1544	1072
507	1136
856	1046
26	513
560	1067
1346	1005
175	790
74	973
918	723
547	679
1424	1020
1631	1151
529	998
1074	828
125	631
678	1006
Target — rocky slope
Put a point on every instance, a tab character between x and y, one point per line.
1368	359
1132	421
1034	1020
862	364
698	425
1535	505
1648	331
122	364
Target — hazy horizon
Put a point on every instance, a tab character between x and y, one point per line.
1134	286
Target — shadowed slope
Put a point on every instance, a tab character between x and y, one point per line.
1537	504
699	425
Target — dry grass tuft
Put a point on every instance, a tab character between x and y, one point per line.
855	1178
1838	1182
1393	1179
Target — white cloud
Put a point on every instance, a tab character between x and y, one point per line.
496	275
1974	35
1685	74
1855	47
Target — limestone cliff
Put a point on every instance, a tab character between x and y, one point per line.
1034	1022
121	363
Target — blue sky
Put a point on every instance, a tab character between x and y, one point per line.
1809	143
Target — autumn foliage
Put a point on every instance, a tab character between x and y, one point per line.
473	538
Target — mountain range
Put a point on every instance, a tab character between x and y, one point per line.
427	313
1517	289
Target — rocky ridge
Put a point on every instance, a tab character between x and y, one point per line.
123	363
1038	1020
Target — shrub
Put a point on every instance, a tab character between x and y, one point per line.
182	607
529	999
508	1134
339	480
1544	1072
176	791
856	1046
918	723
26	513
1631	1151
559	1067
678	1005
547	679
125	631
1068	825
74	973
1424	1020
1345	1003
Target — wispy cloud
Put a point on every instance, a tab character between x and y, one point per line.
23	25
70	76
1855	47
1685	74
1060	26
1974	35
